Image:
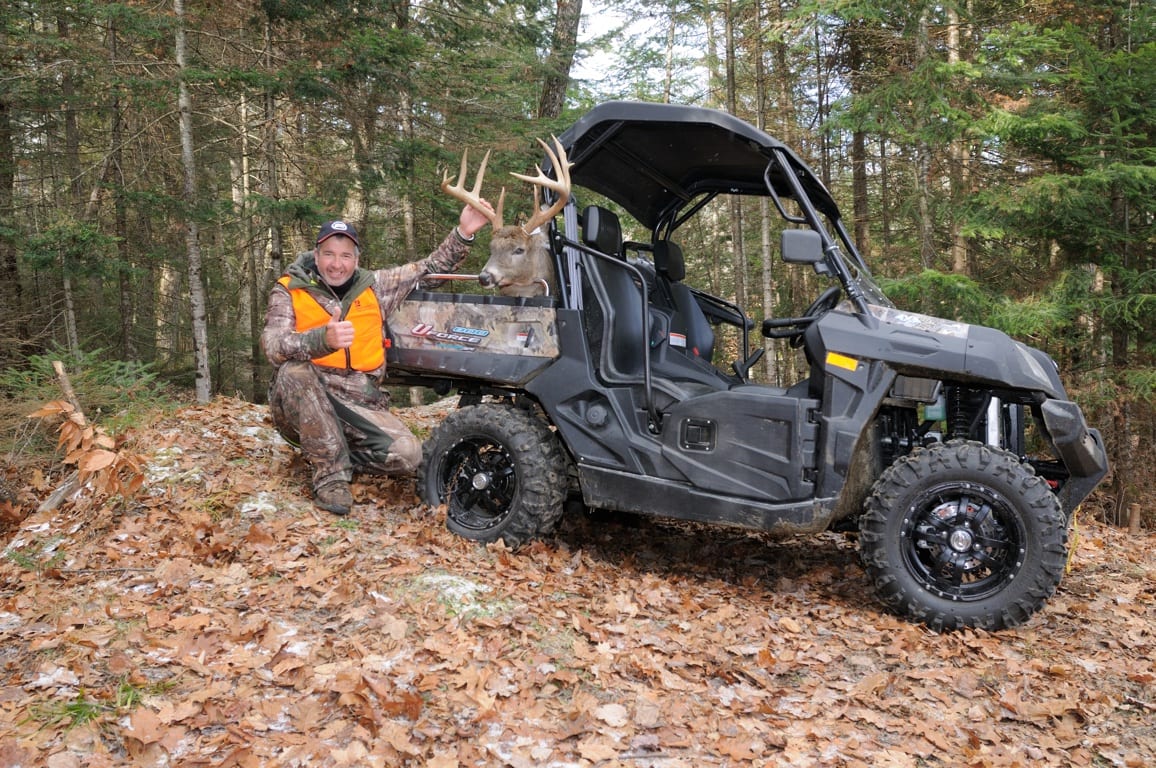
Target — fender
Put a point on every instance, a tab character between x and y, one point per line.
921	345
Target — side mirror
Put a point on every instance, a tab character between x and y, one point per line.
802	246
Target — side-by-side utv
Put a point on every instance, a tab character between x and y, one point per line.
952	448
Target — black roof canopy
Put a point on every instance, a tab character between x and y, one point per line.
652	159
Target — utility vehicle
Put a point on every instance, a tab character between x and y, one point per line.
951	448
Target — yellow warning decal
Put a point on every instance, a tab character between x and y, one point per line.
842	361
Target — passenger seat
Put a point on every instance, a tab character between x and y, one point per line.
690	331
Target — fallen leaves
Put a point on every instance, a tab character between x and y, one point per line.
218	619
101	460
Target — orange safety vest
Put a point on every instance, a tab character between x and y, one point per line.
368	351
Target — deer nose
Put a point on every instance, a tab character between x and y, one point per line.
486	279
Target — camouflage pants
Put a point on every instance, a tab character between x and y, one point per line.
336	435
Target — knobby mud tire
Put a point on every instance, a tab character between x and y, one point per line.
963	535
500	471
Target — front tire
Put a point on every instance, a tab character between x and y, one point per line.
499	470
963	535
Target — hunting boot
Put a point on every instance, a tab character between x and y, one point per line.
334	497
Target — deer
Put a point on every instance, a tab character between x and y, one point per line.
520	263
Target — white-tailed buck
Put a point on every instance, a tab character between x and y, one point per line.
520	263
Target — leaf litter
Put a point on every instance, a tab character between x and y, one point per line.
218	619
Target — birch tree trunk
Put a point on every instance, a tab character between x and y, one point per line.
243	192
668	60
202	378
884	194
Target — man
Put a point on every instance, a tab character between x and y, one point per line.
324	330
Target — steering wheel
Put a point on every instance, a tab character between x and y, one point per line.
820	306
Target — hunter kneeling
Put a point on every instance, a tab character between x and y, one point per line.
323	334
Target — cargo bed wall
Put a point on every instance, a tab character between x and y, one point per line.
494	338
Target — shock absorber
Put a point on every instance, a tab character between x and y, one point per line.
960	425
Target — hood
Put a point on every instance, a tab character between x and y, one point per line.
303	275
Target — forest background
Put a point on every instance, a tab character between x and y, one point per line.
160	162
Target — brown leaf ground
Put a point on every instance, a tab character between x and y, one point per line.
219	620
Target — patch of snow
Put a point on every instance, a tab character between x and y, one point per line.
456	589
384	664
262	504
298	648
165	465
54	677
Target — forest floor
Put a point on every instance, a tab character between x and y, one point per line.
218	619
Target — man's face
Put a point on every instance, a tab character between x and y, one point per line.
336	259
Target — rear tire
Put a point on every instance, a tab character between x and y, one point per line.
963	535
499	470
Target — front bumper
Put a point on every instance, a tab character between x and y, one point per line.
1079	447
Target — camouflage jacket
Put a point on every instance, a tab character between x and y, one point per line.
391	285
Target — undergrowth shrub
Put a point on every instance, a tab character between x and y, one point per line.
112	393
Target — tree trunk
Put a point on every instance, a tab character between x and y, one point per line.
75	188
272	167
14	328
822	89
243	190
767	253
668	61
202	379
713	78
128	348
923	169
861	209
408	216
785	106
859	193
738	252
561	58
729	52
884	195
957	159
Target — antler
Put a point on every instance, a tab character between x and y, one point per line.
561	185
473	197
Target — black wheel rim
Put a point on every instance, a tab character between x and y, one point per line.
478	483
963	542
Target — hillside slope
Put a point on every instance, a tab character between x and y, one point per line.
218	619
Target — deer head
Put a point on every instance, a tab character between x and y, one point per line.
520	262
